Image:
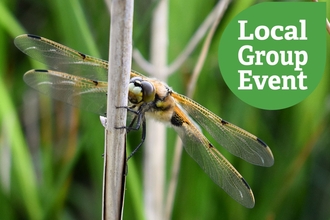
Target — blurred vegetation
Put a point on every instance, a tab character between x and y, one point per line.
51	154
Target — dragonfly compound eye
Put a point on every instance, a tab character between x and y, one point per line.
140	90
148	91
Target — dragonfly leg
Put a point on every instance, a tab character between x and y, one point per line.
142	139
130	109
139	115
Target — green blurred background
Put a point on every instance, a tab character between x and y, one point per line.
51	154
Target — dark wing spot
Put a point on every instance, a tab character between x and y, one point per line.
44	71
224	122
82	55
246	184
210	145
261	142
34	36
176	120
95	82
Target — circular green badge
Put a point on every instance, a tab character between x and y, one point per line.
272	55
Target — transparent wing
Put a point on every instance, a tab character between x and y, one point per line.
73	73
212	162
61	58
236	140
77	91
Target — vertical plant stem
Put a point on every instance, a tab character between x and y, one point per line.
120	54
154	160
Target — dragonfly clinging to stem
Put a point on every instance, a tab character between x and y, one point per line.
81	80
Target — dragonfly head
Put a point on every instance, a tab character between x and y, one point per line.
140	91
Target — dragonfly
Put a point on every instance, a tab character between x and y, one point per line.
81	81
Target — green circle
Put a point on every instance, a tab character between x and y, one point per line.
270	73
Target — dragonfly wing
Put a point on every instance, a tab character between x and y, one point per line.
211	160
236	140
62	58
76	91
